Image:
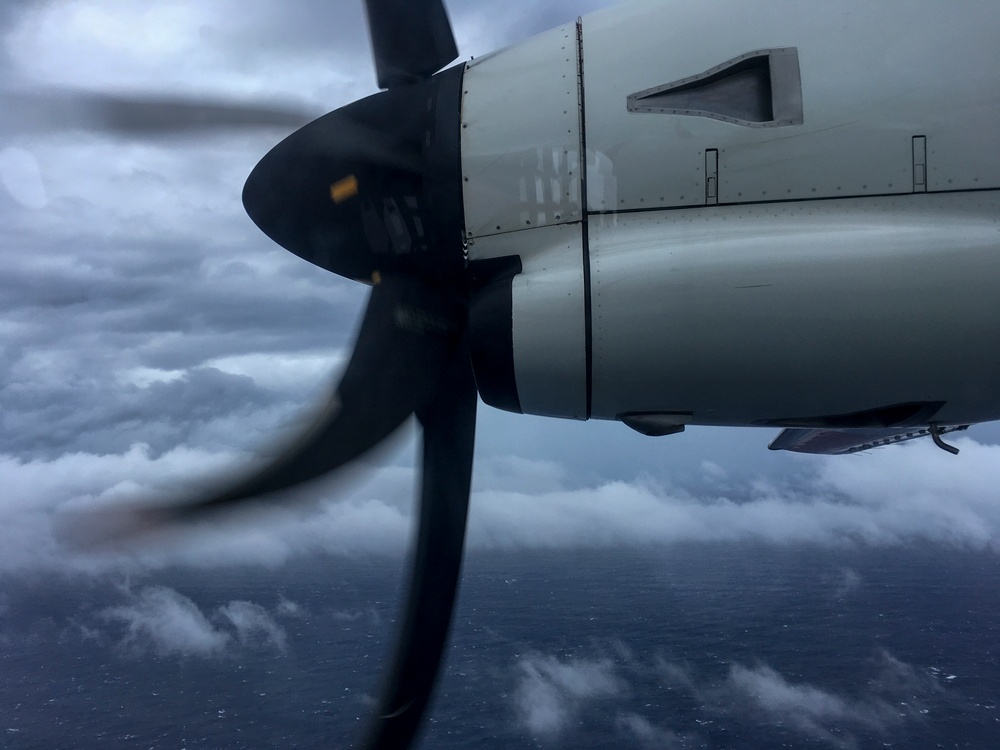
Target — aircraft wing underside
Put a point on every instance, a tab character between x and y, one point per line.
839	442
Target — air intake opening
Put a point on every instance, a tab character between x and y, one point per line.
758	89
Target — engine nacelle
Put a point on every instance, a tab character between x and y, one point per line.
790	218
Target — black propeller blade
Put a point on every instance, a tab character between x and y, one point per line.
53	108
408	337
449	425
411	39
390	210
373	191
410	334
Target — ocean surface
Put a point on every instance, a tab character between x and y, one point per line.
695	646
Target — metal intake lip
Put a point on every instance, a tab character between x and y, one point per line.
371	188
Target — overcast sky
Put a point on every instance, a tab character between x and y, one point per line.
151	336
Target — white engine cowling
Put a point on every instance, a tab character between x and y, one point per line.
787	219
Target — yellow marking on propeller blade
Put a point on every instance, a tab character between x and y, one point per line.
344	189
376	278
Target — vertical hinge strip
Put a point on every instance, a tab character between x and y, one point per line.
919	164
712	177
585	224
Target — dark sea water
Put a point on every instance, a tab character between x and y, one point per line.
702	646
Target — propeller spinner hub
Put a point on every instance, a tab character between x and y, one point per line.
371	188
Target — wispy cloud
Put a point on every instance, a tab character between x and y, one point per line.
553	694
551	691
649	735
368	617
888	702
166	622
816	713
288	608
169	623
850	581
22	177
254	625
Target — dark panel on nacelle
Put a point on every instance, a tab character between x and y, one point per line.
491	330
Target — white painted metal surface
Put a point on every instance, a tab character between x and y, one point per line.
873	76
802	309
843	269
521	136
548	318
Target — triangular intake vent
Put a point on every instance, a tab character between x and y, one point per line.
758	89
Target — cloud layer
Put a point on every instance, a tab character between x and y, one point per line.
550	691
816	713
167	623
907	494
553	695
150	336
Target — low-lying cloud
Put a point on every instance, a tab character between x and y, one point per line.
815	713
553	694
288	608
550	691
849	582
254	625
901	495
165	622
647	734
169	623
912	493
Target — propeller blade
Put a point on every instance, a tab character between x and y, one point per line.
411	39
408	336
67	109
449	427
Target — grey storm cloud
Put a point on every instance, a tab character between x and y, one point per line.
151	338
101	416
22	178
